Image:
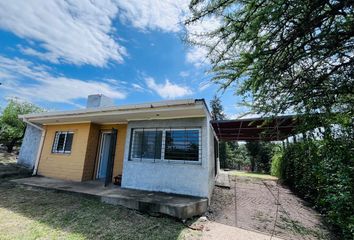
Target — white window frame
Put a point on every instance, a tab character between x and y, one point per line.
163	139
132	141
56	140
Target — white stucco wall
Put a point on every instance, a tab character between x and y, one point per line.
181	178
211	159
29	147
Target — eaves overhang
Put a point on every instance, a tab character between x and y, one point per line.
189	108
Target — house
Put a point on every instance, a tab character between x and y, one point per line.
165	146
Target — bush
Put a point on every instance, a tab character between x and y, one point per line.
322	172
260	156
276	161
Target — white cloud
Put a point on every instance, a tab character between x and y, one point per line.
137	87
36	82
197	55
168	90
166	15
75	32
81	31
184	74
204	85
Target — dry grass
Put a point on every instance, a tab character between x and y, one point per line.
252	175
27	213
39	214
7	158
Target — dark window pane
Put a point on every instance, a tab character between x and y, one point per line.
69	141
182	145
147	144
61	140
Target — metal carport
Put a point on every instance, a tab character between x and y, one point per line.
256	129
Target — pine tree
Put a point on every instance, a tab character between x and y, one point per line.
217	110
294	54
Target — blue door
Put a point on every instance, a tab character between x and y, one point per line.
104	155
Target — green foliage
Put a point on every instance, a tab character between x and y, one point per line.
236	156
217	113
217	110
260	155
293	54
242	158
276	161
228	154
322	171
11	127
222	154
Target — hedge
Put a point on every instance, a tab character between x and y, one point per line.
322	172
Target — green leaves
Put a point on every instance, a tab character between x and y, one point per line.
322	171
11	127
293	54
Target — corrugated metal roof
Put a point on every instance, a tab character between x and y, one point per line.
256	129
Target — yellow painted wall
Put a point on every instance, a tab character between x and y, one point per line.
81	163
91	153
64	166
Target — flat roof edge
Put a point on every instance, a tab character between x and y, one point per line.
130	107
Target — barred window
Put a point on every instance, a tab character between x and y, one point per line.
146	144
182	145
62	142
179	145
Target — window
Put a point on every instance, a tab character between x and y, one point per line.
62	142
182	145
146	144
179	145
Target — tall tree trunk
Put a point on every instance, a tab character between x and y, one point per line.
10	145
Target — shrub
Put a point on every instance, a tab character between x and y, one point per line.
276	161
322	172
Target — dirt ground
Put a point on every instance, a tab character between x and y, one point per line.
9	167
251	204
247	211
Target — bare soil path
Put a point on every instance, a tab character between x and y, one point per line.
251	204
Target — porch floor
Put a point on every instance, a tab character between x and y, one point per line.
179	206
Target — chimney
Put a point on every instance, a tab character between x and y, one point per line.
99	100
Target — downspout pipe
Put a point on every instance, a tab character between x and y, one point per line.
35	169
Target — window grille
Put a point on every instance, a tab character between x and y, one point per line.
182	145
169	145
146	144
62	142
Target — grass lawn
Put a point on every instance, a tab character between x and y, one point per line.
29	213
40	214
252	175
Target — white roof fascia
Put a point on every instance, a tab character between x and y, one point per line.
127	108
72	115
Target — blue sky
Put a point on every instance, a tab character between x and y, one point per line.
55	53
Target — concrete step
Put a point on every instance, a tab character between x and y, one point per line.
175	205
223	180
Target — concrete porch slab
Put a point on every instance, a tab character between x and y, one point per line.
222	180
179	206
